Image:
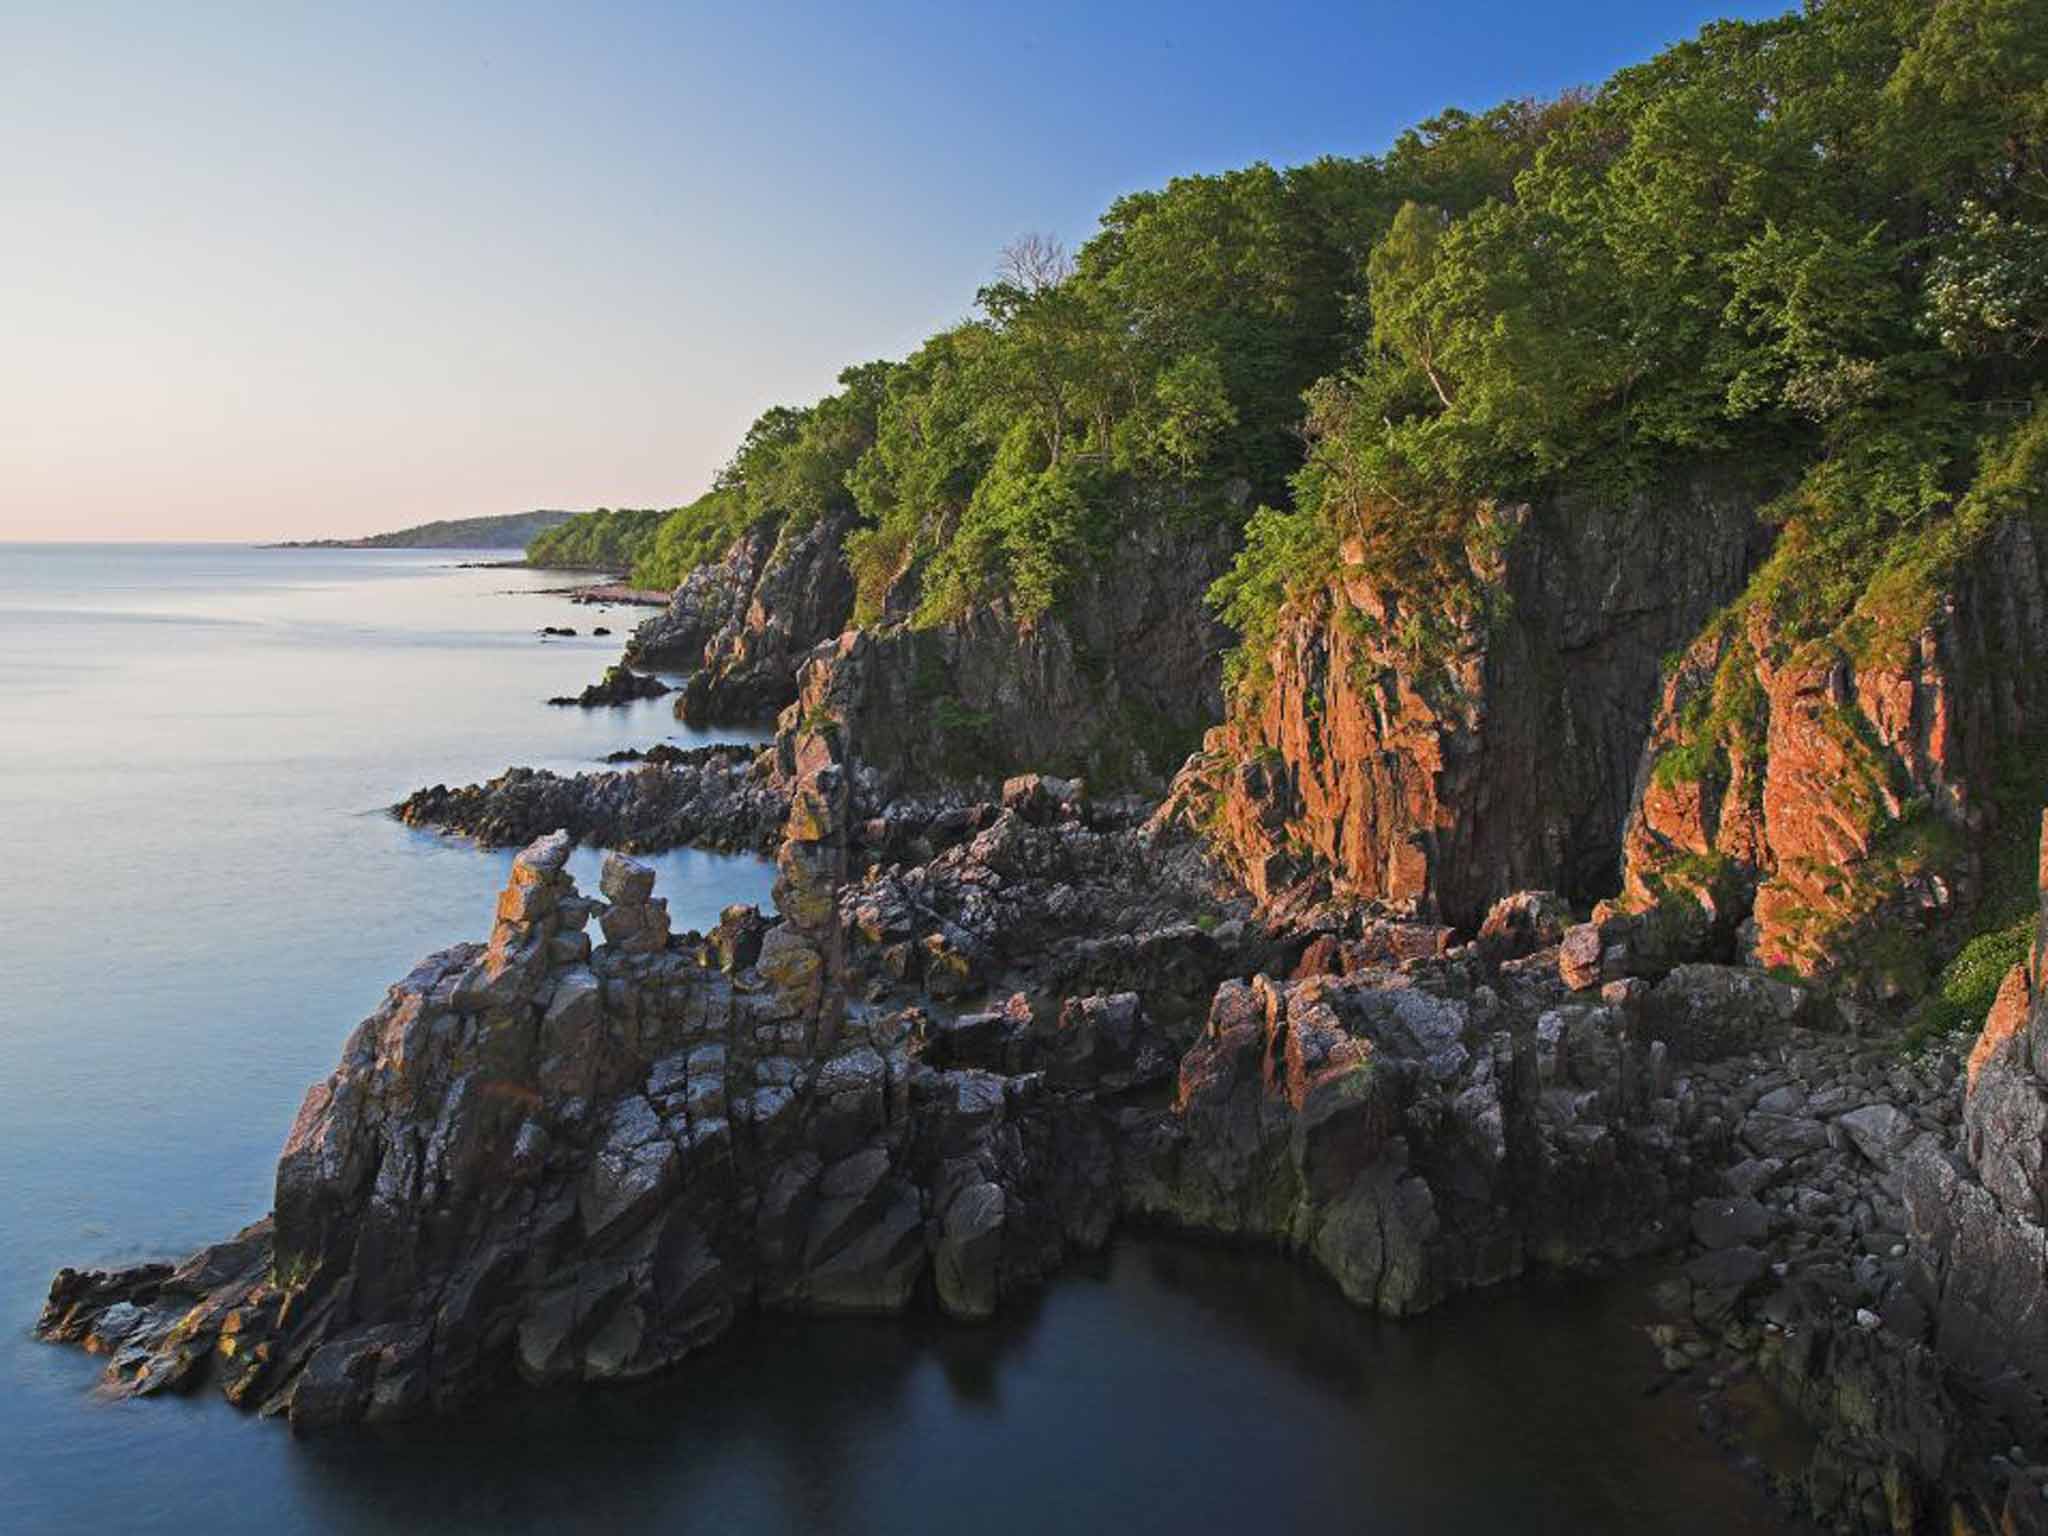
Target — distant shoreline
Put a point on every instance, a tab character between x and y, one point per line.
504	530
404	549
613	588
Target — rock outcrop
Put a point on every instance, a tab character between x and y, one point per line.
1414	1133
1834	806
740	626
707	600
724	797
1434	757
619	685
981	1033
579	1163
1978	1212
1113	686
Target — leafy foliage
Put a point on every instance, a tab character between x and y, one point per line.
790	469
604	540
1818	243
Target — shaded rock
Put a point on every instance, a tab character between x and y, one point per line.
1369	1121
1782	1136
619	685
716	797
1523	923
1729	1223
965	1262
1879	1131
1722	1277
1705	1012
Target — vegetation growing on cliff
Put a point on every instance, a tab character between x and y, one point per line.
790	468
1171	350
1816	242
1815	247
1158	371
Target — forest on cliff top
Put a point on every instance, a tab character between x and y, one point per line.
1818	244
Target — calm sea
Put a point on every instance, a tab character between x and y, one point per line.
201	895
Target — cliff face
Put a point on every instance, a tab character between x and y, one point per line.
1834	805
1113	685
741	626
1506	757
1978	1214
709	599
979	1035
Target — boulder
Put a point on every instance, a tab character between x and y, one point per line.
625	881
966	1261
793	971
1705	1012
1724	1222
1580	956
1523	923
1879	1131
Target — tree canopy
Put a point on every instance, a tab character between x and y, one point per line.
1818	243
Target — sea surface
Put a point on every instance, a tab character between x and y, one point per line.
201	894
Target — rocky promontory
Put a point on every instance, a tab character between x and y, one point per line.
981	1035
721	797
581	1163
740	625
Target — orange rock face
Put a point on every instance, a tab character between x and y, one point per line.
1848	817
1435	746
2007	1018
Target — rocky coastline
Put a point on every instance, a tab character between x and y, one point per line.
992	1020
980	1036
718	797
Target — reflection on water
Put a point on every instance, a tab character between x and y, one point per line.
204	897
1169	1386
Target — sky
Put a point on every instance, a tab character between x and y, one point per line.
281	271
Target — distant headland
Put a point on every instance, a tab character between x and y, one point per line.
507	530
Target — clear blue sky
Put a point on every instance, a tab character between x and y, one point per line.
276	270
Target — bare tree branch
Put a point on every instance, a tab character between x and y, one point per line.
1035	262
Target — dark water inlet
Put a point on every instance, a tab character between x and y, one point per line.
1167	1385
